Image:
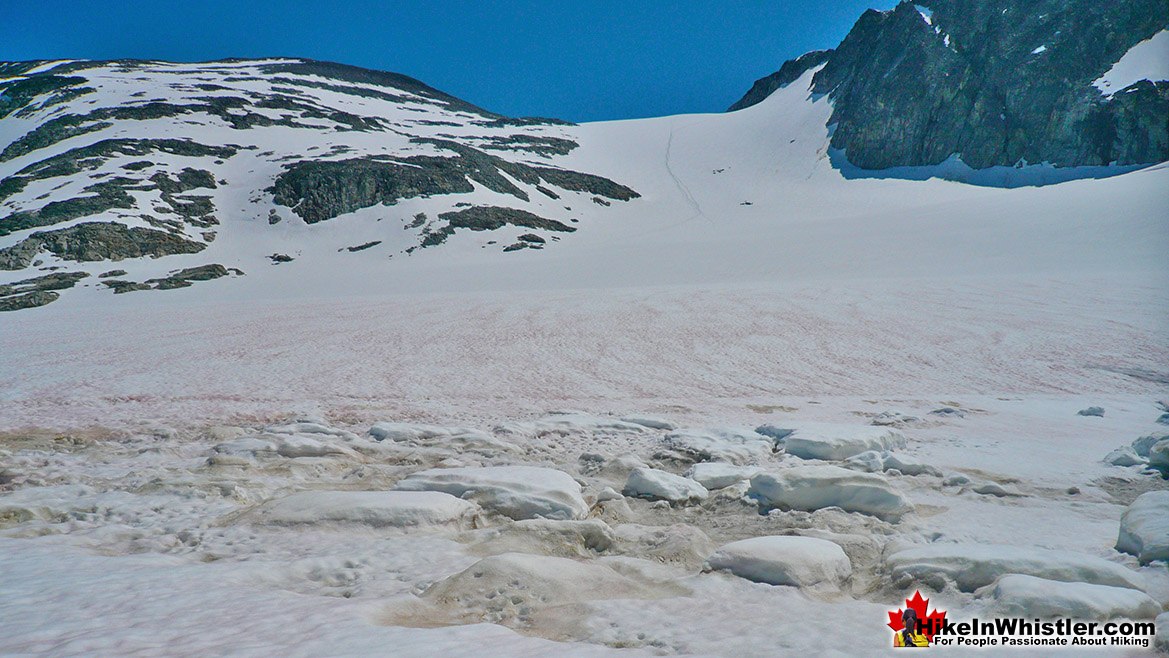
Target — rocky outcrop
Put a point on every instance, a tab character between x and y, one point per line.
1003	82
320	190
37	291
787	74
96	241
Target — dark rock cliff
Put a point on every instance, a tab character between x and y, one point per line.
999	82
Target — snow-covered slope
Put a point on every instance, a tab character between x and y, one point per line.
123	160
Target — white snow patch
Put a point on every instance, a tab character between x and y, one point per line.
1148	60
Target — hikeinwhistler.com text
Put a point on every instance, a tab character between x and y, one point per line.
1019	632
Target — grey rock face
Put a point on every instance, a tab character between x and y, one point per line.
787	74
1000	82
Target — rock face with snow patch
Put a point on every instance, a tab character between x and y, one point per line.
811	488
398	509
837	442
660	485
1019	595
970	566
1144	527
919	83
795	561
518	492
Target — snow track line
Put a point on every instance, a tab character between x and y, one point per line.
690	200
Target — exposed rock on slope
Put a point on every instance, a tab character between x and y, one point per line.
998	83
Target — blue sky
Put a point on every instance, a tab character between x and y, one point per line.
583	61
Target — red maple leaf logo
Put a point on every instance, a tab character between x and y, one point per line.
930	622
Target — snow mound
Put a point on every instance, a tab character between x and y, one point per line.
971	566
582	538
1144	527
512	587
659	485
394	509
1124	456
248	446
736	446
518	492
310	427
837	442
810	488
298	445
874	461
573	422
458	438
652	422
49	503
678	544
795	561
717	475
1019	595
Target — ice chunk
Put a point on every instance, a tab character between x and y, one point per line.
1161	641
515	580
1159	455
461	438
873	461
837	442
970	566
1019	595
651	422
397	509
717	475
1142	445
811	488
302	446
659	485
796	561
245	446
1124	456
519	492
733	445
310	427
1144	527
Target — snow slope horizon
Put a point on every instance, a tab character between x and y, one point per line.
821	285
